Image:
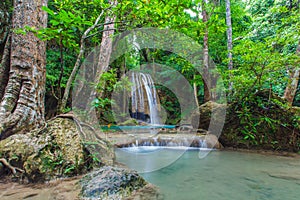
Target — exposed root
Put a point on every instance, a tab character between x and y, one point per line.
80	124
13	169
77	122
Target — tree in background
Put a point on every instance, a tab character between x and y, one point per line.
229	39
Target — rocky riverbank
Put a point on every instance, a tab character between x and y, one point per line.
37	165
164	139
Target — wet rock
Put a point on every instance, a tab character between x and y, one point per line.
114	183
285	176
171	140
185	128
212	141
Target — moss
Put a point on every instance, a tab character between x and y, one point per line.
53	152
129	122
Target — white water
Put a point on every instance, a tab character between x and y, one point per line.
144	83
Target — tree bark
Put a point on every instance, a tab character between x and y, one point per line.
5	21
229	41
104	56
206	75
22	105
4	68
66	94
196	93
106	43
291	88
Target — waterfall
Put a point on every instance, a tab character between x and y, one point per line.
144	99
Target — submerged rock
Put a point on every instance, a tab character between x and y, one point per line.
110	183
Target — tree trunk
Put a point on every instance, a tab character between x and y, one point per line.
64	100
106	43
206	75
5	21
104	56
291	88
22	104
196	93
229	41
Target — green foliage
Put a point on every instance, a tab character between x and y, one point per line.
109	82
53	161
265	37
64	27
93	159
53	68
263	120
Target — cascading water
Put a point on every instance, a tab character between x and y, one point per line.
144	99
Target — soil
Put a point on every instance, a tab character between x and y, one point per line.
62	189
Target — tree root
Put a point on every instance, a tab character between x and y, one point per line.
77	122
13	169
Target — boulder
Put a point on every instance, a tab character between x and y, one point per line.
57	150
116	183
210	116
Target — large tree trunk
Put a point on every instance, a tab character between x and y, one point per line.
229	41
22	104
291	88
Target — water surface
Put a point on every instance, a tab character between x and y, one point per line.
223	175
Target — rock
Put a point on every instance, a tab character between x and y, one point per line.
129	122
55	151
173	140
148	192
212	141
204	120
185	128
114	183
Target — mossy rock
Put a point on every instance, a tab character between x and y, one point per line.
116	183
202	118
129	122
54	151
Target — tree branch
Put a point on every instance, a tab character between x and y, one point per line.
78	62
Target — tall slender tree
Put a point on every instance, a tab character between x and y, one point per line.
22	100
229	39
206	78
104	52
291	88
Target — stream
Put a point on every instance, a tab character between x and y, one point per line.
225	175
